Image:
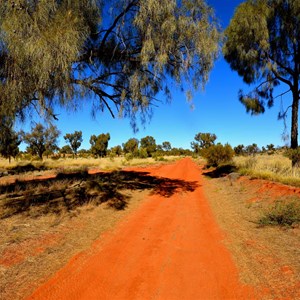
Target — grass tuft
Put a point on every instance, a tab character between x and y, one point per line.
282	213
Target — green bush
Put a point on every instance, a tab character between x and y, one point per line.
282	213
129	156
218	154
143	153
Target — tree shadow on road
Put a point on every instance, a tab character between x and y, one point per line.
68	191
220	171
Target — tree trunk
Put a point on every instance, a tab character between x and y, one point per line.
294	124
294	129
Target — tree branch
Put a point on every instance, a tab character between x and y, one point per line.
123	13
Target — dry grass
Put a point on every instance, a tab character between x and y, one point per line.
82	163
34	246
272	167
267	257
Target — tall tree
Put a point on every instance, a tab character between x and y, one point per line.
52	52
99	144
149	144
41	139
263	46
74	140
9	139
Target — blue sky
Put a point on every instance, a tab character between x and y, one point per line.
216	110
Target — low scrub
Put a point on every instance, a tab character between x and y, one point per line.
282	213
218	154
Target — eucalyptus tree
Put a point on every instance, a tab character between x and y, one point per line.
74	140
99	144
149	144
263	46
41	139
203	140
131	146
119	53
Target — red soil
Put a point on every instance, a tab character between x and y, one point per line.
170	248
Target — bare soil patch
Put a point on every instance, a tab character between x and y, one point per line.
267	257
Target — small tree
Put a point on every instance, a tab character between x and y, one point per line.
252	149
239	149
149	144
41	139
131	146
117	150
203	140
75	140
166	146
99	144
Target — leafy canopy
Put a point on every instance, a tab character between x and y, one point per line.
41	139
74	140
99	144
120	54
9	139
263	46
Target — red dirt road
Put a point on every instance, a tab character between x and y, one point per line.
170	248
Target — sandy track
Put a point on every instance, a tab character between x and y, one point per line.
170	248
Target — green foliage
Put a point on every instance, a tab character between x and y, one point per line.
52	52
149	144
131	146
40	42
218	154
9	139
262	45
41	139
252	149
75	140
99	144
271	149
239	149
203	141
143	153
282	213
66	150
117	150
166	146
129	156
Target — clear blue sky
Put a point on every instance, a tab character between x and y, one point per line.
216	110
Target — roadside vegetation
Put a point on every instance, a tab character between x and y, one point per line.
276	167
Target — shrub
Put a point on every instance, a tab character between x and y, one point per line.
143	153
282	213
129	156
218	154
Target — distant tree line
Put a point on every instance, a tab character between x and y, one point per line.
43	141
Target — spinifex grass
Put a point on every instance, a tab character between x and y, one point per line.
271	167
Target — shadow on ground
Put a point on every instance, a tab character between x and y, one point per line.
220	171
67	192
